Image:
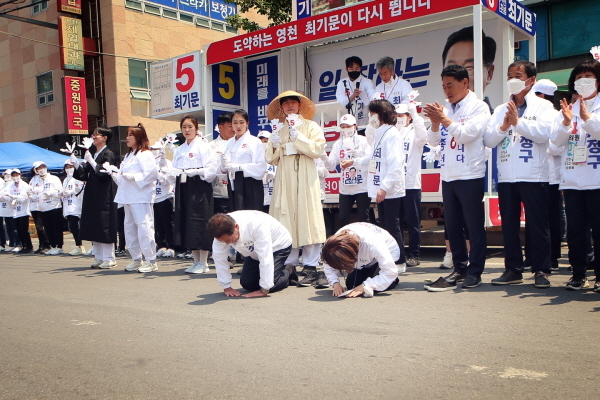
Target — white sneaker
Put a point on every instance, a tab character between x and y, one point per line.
54	252
191	268
401	268
148	266
189	255
169	253
447	262
77	251
8	249
161	251
16	249
133	266
47	252
90	252
108	264
2	247
96	263
199	268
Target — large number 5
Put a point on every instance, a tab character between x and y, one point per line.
180	72
225	80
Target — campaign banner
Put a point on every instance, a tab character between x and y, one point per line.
343	21
215	9
75	105
226	87
70	38
263	86
69	6
514	12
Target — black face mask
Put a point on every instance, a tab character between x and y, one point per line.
353	74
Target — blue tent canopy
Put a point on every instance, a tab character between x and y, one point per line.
23	155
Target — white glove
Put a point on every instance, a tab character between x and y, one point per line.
270	174
225	162
74	161
34	197
412	109
433	154
275	140
276	126
294	121
293	134
368	291
324	157
412	95
88	157
87	143
193	172
128	176
175	172
70	148
233	168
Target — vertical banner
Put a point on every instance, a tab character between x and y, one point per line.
162	88
69	6
226	83
70	39
75	105
263	86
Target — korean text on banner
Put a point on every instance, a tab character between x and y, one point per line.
515	13
162	88
263	86
76	105
69	6
70	38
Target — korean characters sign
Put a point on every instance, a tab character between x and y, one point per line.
75	105
514	12
69	6
71	39
263	86
176	85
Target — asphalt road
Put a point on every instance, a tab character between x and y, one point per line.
69	332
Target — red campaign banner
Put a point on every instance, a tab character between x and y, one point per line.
350	20
76	105
69	6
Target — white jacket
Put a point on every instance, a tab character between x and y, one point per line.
260	236
584	176
196	155
522	149
5	208
346	149
142	189
220	183
395	91
462	150
72	196
46	191
414	138
385	164
361	103
248	153
18	198
376	246
165	182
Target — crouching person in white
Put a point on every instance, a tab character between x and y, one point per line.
265	244
136	192
366	253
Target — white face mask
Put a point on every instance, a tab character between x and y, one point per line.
374	121
515	86
16	178
401	122
585	87
42	172
347	132
70	171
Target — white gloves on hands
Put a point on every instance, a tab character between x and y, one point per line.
74	161
88	157
293	134
87	143
225	163
194	172
128	176
233	168
433	154
275	140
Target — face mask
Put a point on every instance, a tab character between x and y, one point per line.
42	171
515	86
6	178
353	74
374	121
70	171
401	122
16	178
347	132
585	87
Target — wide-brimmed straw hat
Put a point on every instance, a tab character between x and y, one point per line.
307	107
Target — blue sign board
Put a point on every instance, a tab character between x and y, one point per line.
514	12
263	86
226	83
303	8
215	9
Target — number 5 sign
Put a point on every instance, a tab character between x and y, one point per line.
226	83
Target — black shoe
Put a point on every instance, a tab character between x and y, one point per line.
577	284
554	267
541	280
413	261
310	278
471	282
508	277
41	250
441	285
597	286
304	270
455	276
322	281
25	250
291	269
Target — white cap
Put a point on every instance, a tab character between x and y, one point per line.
68	162
157	145
7	172
347	119
402	108
38	164
265	134
17	170
545	86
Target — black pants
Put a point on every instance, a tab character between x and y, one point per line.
22	225
221	205
248	193
389	219
534	196
121	228
358	276
463	206
74	228
580	207
163	223
410	209
39	227
11	231
251	272
346	201
555	212
3	233
53	225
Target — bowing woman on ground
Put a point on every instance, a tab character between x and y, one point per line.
195	166
98	211
136	192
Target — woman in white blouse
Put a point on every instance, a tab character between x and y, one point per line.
195	166
136	191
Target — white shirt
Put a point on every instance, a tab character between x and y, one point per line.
347	149
376	246
197	155
220	183
414	137
395	91
46	191
268	180
360	106
579	176
5	208
260	236
522	149
248	153
142	189
385	163
20	204
463	153
72	196
36	187
165	183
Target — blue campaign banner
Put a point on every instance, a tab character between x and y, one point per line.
514	12
215	114
303	8
220	10
166	3
199	7
263	86
226	83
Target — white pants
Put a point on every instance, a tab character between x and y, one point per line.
310	255
104	251
139	231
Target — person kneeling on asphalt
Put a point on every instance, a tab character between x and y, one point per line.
265	245
367	253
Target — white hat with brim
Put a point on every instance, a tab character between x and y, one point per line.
7	172
37	164
347	119
16	170
307	107
265	134
402	108
545	86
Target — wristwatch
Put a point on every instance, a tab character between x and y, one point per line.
265	291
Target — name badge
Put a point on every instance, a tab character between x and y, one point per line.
372	166
183	177
580	154
290	150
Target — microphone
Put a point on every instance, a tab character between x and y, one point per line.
349	105
357	85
